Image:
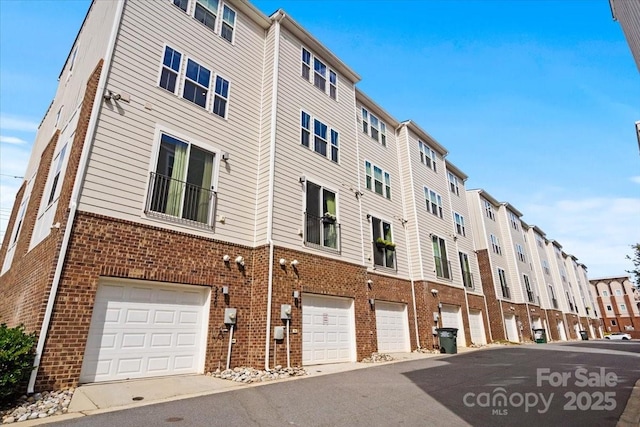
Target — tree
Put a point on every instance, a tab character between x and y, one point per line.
635	273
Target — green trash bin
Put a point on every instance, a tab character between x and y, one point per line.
584	335
447	338
540	335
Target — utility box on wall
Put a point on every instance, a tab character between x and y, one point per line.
230	316
285	312
278	333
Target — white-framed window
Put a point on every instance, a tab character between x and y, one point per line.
623	307
527	288
453	184
17	226
545	267
488	210
514	220
321	217
206	11
196	83
459	220
609	308
58	161
384	247
182	184
552	294
443	266
221	97
323	135
333	84
539	241
182	4
605	293
504	286
377	179
495	244
618	292
467	277
306	64
427	156
171	61
227	30
72	62
58	116
434	202
320	73
557	252
520	252
374	127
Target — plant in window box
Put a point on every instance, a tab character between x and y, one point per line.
390	246
329	217
385	244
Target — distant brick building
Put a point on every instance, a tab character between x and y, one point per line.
619	304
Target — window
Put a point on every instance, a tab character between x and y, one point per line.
170	69
182	4
379	181
58	161
467	278
206	12
196	83
321	226
434	202
520	252
623	307
605	293
539	241
503	284
320	134
427	156
514	220
221	97
618	292
58	115
306	64
614	323
374	127
459	220
319	74
527	288
15	233
73	59
228	23
552	294
453	184
333	84
495	245
443	267
384	248
181	186
488	210
558	254
545	267
609	308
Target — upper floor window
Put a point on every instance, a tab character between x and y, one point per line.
623	307
545	267
434	202
58	116
520	252
333	84
527	288
514	220
170	69
17	226
321	220
196	83
374	127
459	220
73	59
427	156
306	64
618	292
467	277
182	4
206	12
609	308
443	267
504	286
605	293
221	97
539	241
58	161
228	23
552	294
320	73
488	210
453	184
322	137
181	186
377	180
384	247
495	245
557	252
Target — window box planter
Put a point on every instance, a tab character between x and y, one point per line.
385	244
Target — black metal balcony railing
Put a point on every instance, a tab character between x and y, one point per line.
443	267
554	302
322	232
506	293
181	201
467	279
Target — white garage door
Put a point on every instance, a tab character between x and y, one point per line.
392	324
561	331
328	330
512	328
476	327
141	330
452	318
536	323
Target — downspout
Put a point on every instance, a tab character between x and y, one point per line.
75	195
272	164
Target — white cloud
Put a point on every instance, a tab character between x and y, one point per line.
597	230
12	140
17	123
635	179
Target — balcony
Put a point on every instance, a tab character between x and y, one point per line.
467	279
179	201
322	232
443	268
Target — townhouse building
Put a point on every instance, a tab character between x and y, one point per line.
209	188
619	304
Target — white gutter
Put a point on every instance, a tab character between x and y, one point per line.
272	165
484	235
75	195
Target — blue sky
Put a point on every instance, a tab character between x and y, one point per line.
535	100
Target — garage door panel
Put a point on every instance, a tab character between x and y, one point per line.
452	318
512	328
476	327
133	334
327	324
392	327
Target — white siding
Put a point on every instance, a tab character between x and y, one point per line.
123	154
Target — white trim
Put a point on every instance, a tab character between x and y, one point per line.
162	66
235	23
214	94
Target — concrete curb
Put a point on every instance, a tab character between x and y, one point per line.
631	415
